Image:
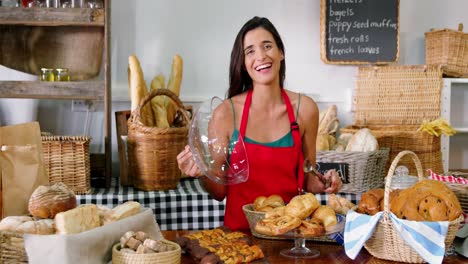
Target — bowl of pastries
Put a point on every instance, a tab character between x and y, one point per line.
302	216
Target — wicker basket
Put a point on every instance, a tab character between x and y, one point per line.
385	242
67	160
397	95
366	170
152	151
401	137
168	257
449	48
12	248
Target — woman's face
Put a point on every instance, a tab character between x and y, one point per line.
262	57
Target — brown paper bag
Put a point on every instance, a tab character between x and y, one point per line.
21	167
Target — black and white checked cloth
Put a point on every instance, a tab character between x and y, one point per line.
188	207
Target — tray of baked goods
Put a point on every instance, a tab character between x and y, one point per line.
269	217
55	229
220	245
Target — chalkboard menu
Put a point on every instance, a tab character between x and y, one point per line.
359	31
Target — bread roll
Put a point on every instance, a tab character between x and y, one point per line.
77	220
370	201
39	227
340	205
265	204
326	214
47	201
363	140
11	223
302	206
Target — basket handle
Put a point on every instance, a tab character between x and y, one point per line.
136	114
460	27
391	171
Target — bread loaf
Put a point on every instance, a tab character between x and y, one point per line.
173	84
363	140
122	211
427	200
77	220
158	103
47	201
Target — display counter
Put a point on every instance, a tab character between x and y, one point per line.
188	207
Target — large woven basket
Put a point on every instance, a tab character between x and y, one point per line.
449	48
385	242
366	170
12	248
406	137
67	160
152	151
397	95
168	257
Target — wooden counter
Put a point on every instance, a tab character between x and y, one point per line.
329	252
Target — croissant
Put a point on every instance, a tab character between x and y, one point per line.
302	206
427	200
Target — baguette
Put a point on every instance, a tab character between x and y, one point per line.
173	84
157	103
138	90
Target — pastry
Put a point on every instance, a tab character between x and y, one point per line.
326	214
302	206
370	201
277	225
312	228
265	204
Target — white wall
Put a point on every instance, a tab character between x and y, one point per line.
203	32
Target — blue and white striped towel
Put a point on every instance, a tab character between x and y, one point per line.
426	238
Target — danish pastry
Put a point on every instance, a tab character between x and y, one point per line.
312	227
326	214
277	225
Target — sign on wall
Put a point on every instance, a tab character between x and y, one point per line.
359	31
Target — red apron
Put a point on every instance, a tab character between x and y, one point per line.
272	170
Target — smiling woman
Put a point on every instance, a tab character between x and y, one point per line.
288	130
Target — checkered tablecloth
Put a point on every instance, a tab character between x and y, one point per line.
188	207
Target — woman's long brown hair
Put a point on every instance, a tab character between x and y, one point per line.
239	79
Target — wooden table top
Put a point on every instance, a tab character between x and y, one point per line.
329	252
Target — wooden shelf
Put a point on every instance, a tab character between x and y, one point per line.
92	90
52	16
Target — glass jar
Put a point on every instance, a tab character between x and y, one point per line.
47	75
62	75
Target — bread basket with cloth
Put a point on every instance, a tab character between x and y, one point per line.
392	236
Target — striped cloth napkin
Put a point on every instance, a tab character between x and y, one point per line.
426	238
448	178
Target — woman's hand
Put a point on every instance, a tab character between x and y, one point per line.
334	181
187	164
